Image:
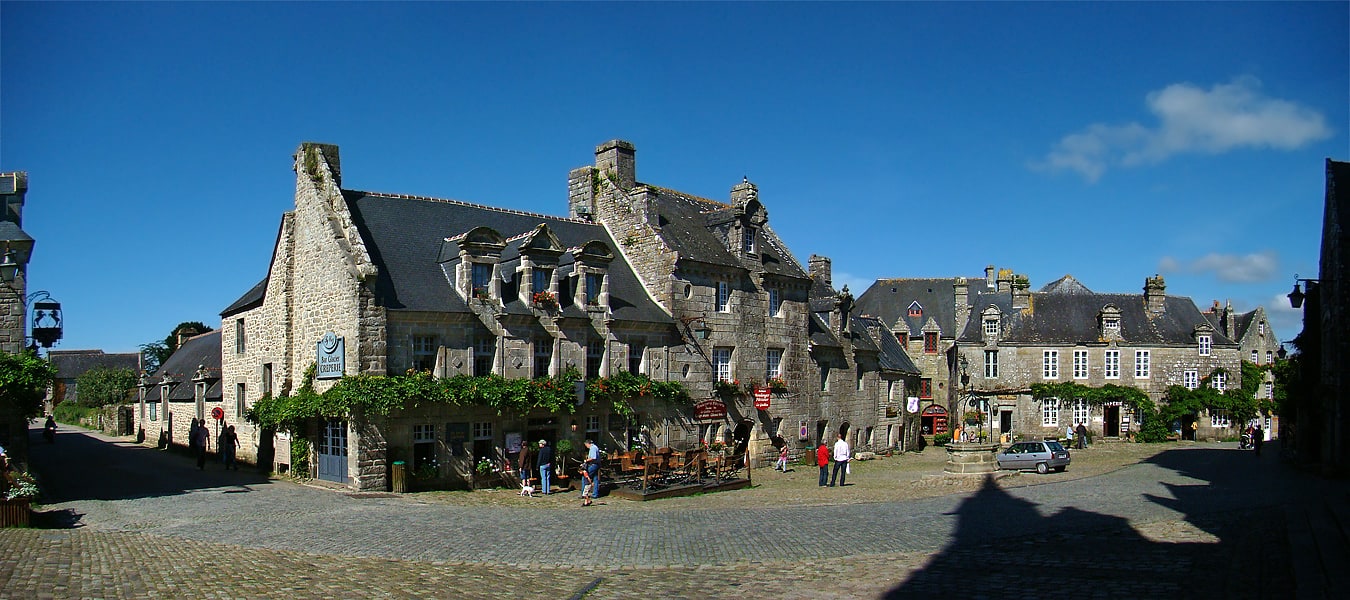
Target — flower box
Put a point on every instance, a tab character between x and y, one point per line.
14	513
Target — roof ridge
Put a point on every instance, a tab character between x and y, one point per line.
511	211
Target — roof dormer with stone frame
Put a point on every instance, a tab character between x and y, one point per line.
1108	323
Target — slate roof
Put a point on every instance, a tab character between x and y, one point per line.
892	355
405	235
250	299
1071	318
697	229
820	333
70	364
889	300
200	350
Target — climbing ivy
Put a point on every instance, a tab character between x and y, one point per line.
381	394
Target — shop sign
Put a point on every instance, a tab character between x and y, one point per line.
892	410
710	409
331	357
762	395
912	405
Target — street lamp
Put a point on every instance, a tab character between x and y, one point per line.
1296	296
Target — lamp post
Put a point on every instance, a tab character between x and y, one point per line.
1297	296
46	325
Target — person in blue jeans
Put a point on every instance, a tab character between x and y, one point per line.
545	463
592	468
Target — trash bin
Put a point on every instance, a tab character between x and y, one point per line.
398	482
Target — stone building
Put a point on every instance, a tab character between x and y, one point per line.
71	364
186	387
15	248
1258	344
925	315
1067	332
637	278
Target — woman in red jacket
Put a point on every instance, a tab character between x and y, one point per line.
823	461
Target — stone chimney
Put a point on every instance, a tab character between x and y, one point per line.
961	302
1004	282
185	334
581	192
1155	296
1021	291
818	267
1228	320
743	192
617	160
989	277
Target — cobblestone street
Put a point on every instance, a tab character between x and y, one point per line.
1201	520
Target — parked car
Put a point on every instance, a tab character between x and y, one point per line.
1041	456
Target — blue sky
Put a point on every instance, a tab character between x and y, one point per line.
1107	141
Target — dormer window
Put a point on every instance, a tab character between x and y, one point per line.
1109	321
1111	324
991	328
748	240
991	321
594	282
723	296
1204	343
915	311
592	260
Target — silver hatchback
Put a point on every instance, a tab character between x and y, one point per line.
1041	456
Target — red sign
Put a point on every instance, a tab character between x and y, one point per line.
710	409
217	413
762	395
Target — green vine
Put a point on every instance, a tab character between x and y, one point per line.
380	394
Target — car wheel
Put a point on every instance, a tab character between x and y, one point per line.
1042	468
1060	469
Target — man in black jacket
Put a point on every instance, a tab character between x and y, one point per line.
545	466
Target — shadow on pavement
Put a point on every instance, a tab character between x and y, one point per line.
83	465
1224	546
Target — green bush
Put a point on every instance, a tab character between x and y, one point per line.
70	412
300	457
942	439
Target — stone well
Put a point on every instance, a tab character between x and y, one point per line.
971	459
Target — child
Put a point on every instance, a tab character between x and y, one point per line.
781	465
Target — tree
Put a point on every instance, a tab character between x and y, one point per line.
156	353
24	378
101	386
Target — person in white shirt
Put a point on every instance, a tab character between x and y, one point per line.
841	458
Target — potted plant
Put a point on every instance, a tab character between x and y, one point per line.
777	385
563	450
727	389
18	492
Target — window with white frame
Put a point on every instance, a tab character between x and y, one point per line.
595	354
484	348
482	430
1220	381
773	363
543	356
423	352
748	240
1219	418
1190	379
722	363
991	328
1080	411
1261	328
775	302
1204	343
1111	364
1080	364
991	364
723	296
593	427
424	446
636	351
1050	412
1269	357
1256	357
1111	324
1142	366
1270	389
154	411
1050	364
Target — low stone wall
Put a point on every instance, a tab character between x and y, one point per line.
971	459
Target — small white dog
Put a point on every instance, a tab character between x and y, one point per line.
527	491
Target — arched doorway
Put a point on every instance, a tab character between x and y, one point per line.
933	420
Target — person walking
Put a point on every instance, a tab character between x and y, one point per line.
1082	436
1068	434
545	464
590	473
229	447
200	441
525	463
1258	438
823	461
842	456
192	436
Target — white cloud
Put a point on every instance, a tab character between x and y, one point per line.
1190	120
1229	268
1286	321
